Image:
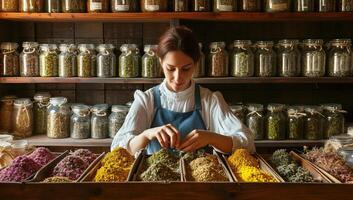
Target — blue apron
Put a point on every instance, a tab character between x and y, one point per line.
184	122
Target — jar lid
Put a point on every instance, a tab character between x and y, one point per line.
8	97
254	107
344	41
58	101
343	139
214	45
150	47
317	42
236	108
23	102
80	109
275	107
120	108
127	47
42	96
332	107
311	109
103	47
237	43
84	47
46	47
294	109
6	138
66	47
286	42
9	46
100	108
19	144
263	44
29	45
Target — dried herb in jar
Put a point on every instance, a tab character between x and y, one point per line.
22	118
296	117
86	60
242	59
327	5
97	6
277	5
218	60
334	120
31	5
52	6
124	5
29	60
288	58
345	5
73	6
106	61
276	121
99	121
154	5
313	125
265	59
67	60
9	6
255	120
129	61
48	60
250	5
6	112
58	119
224	5
80	122
41	102
181	5
150	63
339	57
201	5
9	62
116	119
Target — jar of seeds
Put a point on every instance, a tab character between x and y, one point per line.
276	122
265	59
200	68
340	57
73	6
277	5
313	124
124	5
9	6
52	6
242	59
151	67
99	121
80	124
201	5
334	120
181	5
288	58
9	62
345	5
326	5
238	111
218	60
224	5
313	58
86	60
33	6
29	60
296	118
255	120
58	119
22	121
41	102
48	60
250	5
129	61
304	5
97	6
106	61
117	118
6	112
154	5
67	60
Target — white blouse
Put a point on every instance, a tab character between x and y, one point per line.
215	113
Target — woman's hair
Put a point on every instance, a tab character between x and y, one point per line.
179	38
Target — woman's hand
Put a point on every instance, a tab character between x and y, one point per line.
196	140
167	136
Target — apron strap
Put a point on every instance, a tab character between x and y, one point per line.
157	97
197	97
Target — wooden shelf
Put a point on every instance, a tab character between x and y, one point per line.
224	80
167	16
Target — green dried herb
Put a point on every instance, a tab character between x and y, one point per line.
165	157
295	127
129	66
73	6
223	5
48	64
106	64
275	127
256	125
159	172
29	64
334	125
80	127
40	117
242	64
84	64
116	121
67	64
150	66
280	157
58	125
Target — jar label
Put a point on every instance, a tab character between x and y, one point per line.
225	7
122	7
152	7
96	6
279	6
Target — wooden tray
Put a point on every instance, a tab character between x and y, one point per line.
47	170
263	166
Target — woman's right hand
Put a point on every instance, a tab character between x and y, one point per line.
167	136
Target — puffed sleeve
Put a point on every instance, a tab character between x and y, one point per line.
137	120
223	121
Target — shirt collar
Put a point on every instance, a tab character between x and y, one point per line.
183	94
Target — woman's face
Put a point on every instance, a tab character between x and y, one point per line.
178	69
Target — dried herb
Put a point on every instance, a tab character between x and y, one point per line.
9	60
224	5
242	59
6	112
313	58
67	61
97	6
277	5
29	60
345	5
296	117
326	6
313	125
22	118
80	123
276	122
238	112
218	60
31	5
255	120
304	5
151	67
99	121
116	119
334	120
201	5
9	6
339	58
250	5
124	6
106	61
164	157
200	66
58	120
181	5
129	61
86	61
52	6
265	59
154	5
48	61
73	6
204	169
41	101
288	58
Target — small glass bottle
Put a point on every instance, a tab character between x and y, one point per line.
313	58
97	6
9	62
334	120
255	120
276	122
22	121
80	123
86	60
99	121
40	104
67	60
265	59
48	60
242	59
181	5
304	5
345	5
201	5
200	68
326	5
9	6
295	127
106	61
277	5
52	6
288	58
151	67
224	5
32	6
340	57
154	5
73	6
124	5
238	111
117	118
129	61
218	60
250	5
313	124
6	113
58	119
29	60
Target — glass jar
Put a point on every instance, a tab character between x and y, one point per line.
80	123
345	5
151	67
200	68
296	117
106	61
99	121
224	5
52	6
67	60
22	118
29	60
337	142
48	60
58	119
313	124
265	59
277	5
276	122
255	120
86	60
129	61
9	59
327	5
201	5
117	118
242	59
6	112
334	120
154	5
9	6
181	5
288	58
304	5
97	6
41	102
218	60
73	6
339	57
250	5
124	5
31	6
313	58
238	111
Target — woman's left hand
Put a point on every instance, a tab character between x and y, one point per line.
196	140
